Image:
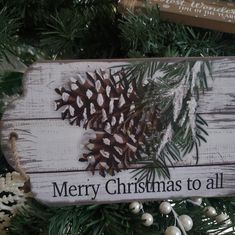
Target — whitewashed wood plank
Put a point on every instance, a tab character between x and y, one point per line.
49	148
221	95
222	64
55	145
39	88
42	78
219	147
45	145
83	188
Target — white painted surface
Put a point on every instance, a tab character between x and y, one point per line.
42	78
40	82
50	148
44	190
54	145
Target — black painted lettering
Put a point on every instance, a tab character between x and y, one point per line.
121	187
141	187
178	185
80	187
170	186
62	192
72	188
159	186
107	186
129	187
95	190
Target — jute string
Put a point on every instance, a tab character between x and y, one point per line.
13	138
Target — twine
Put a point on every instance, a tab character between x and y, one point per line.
13	138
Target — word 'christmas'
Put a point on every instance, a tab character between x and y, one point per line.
115	186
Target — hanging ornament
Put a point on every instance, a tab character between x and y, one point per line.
165	208
172	230
197	200
13	189
147	219
104	103
221	218
210	211
186	221
135	207
205	14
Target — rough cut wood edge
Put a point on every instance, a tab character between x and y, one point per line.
185	12
224	68
57	74
43	188
88	65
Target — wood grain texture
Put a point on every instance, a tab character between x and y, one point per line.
42	143
40	84
49	148
112	189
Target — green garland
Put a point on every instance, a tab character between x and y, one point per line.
31	26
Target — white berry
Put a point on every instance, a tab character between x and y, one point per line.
91	160
210	211
135	207
221	218
172	230
197	200
186	221
147	219
165	208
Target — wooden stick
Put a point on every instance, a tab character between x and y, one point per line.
215	15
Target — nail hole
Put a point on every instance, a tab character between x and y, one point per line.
13	135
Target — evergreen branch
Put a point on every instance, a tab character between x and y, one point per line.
146	35
39	219
10	84
64	33
83	220
72	33
140	34
174	88
8	29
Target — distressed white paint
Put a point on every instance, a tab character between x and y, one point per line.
46	145
40	82
50	148
221	96
54	145
44	190
42	78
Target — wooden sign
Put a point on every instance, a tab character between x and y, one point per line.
215	15
78	129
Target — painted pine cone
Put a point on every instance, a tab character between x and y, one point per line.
104	103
